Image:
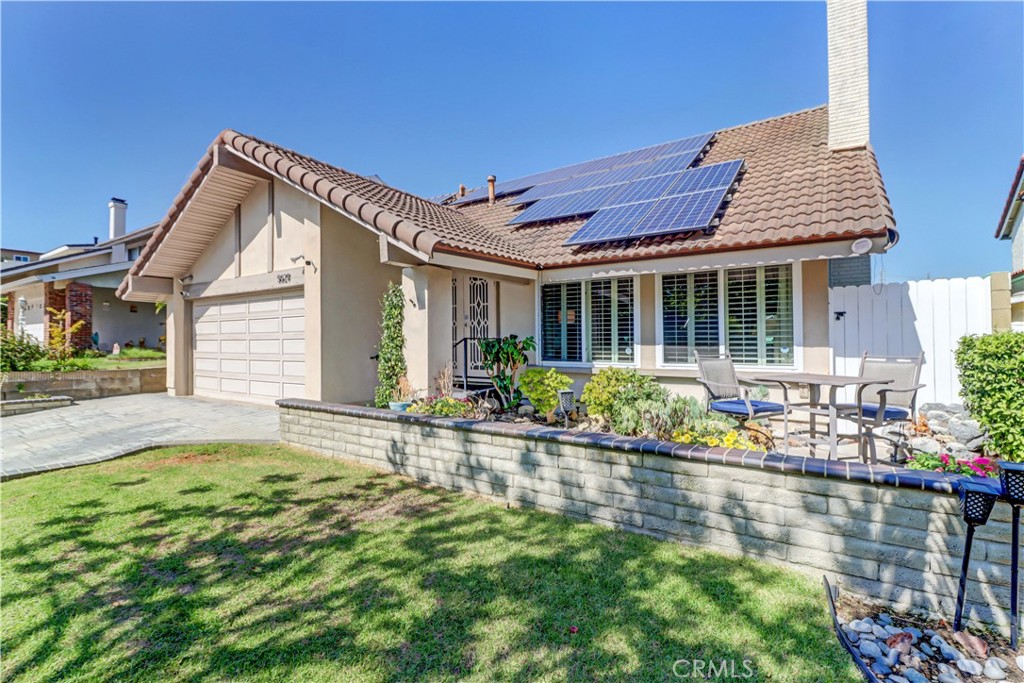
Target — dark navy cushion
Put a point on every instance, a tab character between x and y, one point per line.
891	413
738	407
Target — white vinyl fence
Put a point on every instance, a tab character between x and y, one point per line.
906	318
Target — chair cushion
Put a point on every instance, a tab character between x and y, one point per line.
738	407
891	412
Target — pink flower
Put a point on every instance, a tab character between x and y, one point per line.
945	458
573	629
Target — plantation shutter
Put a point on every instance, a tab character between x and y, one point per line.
611	321
561	322
759	315
689	316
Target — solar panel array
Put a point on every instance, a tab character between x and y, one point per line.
617	163
688	203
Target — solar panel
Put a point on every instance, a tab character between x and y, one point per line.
646	189
564	206
692	144
682	213
708	177
610	224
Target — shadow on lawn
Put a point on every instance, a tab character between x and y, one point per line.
378	576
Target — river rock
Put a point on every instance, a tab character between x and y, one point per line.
972	643
1019	661
897	679
926	649
948	678
884	620
881	668
914	676
851	634
994	671
950	654
879	632
916	632
870	649
969	666
860	626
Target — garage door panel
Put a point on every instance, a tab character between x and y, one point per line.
250	348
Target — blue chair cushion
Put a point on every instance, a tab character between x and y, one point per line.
738	407
891	412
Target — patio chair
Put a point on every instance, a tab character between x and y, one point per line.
884	405
725	394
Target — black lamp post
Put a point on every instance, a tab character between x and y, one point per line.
977	498
1011	475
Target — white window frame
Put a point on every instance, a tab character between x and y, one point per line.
798	321
585	312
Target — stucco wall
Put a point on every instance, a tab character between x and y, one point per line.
886	535
113	319
352	282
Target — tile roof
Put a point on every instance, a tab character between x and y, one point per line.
794	191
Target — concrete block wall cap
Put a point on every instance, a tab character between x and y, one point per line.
881	475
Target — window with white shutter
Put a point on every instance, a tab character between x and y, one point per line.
689	316
611	321
759	315
562	322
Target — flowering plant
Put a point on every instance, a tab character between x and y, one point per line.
445	406
712	434
974	466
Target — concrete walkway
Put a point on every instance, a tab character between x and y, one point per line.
106	428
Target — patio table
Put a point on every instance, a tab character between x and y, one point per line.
814	382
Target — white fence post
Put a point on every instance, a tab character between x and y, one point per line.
906	318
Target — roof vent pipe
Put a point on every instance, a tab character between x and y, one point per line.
118	217
490	189
462	190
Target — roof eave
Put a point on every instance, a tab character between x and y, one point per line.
1012	207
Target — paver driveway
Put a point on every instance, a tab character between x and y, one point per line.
105	428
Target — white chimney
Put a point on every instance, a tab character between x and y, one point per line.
118	217
848	120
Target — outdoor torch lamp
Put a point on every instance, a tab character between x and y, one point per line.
977	498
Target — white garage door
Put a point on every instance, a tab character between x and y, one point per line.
250	348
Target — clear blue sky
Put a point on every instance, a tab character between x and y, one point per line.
122	99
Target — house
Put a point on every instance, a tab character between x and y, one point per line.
10	256
1010	229
272	263
82	279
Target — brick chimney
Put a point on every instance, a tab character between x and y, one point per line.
848	120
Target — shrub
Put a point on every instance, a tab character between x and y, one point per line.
445	406
991	370
641	408
391	355
600	392
18	351
502	359
541	388
63	365
975	466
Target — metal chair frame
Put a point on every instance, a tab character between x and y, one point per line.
730	388
905	398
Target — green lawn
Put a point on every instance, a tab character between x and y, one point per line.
246	563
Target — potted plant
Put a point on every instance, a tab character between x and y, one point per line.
402	395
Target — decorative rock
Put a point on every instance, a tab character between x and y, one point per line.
898	679
1019	661
1000	662
883	647
950	654
851	634
994	671
870	649
916	632
892	657
924	444
884	620
965	431
948	678
860	626
914	676
946	669
868	636
881	668
927	649
525	410
880	632
937	640
969	666
928	632
893	630
900	642
972	643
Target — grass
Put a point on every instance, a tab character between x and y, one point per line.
133	358
262	563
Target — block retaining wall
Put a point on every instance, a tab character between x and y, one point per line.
887	535
84	384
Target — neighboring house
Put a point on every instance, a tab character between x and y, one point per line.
1010	229
273	263
82	279
10	256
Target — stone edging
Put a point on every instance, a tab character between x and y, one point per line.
19	406
129	450
886	475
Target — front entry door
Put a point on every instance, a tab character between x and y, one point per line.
474	309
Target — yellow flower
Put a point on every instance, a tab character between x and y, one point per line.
712	441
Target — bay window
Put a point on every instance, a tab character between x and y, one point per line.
747	312
590	321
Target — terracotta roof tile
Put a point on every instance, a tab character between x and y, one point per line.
794	190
